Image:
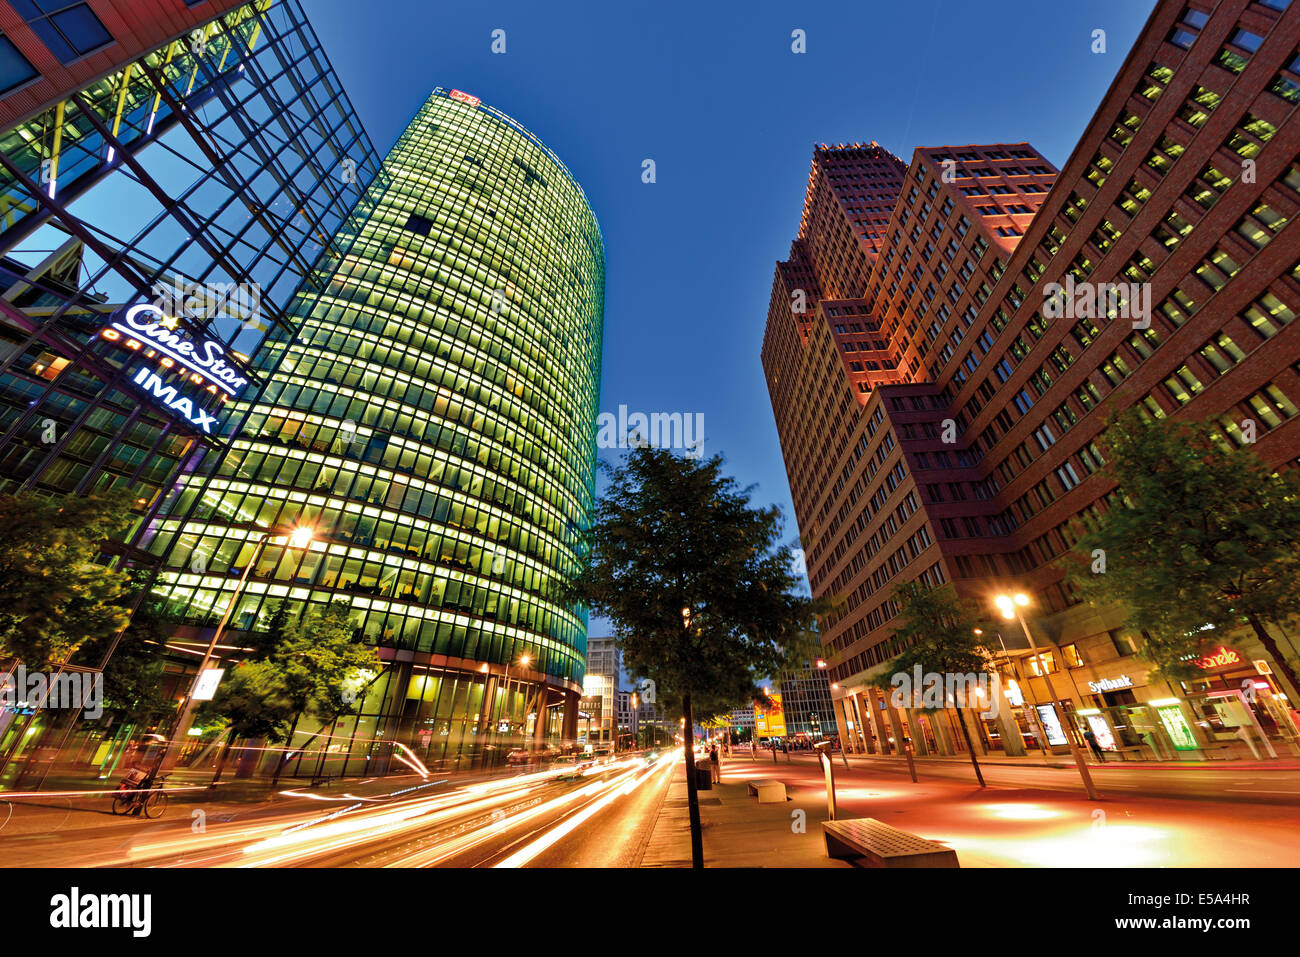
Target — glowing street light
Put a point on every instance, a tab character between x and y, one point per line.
1010	606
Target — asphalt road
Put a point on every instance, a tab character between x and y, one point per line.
597	815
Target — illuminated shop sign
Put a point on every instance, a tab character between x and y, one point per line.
175	400
148	324
464	97
1218	658
1110	684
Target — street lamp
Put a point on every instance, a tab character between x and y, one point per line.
1010	606
298	537
523	663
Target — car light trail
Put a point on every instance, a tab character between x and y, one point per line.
618	789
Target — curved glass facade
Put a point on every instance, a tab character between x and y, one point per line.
434	419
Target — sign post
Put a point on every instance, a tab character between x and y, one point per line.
828	766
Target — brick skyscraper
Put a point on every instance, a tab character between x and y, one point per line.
961	445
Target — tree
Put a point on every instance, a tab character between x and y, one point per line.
937	631
1198	534
324	664
56	594
314	667
701	593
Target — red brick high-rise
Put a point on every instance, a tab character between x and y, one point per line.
962	444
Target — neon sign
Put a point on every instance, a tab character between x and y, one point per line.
464	97
1218	658
1110	684
171	397
206	357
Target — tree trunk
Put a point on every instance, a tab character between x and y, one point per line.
221	758
970	747
283	759
692	795
1279	662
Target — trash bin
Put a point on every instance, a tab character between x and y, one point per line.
703	777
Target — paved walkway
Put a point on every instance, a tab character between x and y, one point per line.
996	826
737	830
1282	763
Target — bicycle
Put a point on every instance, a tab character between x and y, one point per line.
143	794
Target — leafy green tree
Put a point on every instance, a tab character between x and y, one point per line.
324	666
701	592
254	699
937	632
1198	534
316	667
56	594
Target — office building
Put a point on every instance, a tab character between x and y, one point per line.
966	456
434	422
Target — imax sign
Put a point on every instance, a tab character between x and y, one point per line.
173	399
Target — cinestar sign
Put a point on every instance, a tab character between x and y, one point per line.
207	357
171	397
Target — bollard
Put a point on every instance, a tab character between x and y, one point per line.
911	762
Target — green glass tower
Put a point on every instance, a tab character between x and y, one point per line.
434	422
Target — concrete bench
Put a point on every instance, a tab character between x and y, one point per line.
882	845
768	792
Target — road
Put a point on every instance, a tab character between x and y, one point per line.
598	815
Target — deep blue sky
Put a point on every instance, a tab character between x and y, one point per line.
712	92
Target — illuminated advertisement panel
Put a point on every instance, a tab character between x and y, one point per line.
1051	724
769	722
1171	716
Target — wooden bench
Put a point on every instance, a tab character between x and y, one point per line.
882	845
768	792
319	779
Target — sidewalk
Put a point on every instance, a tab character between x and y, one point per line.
1002	825
1063	761
738	831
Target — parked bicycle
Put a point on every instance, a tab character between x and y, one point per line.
141	793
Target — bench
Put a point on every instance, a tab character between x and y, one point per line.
319	779
768	792
882	845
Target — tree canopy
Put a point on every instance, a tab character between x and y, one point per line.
1198	534
57	594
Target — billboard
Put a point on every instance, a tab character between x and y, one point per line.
769	722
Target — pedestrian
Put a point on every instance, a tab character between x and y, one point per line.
1091	738
716	764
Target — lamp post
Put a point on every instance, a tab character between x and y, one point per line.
505	701
299	537
1035	720
1010	606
